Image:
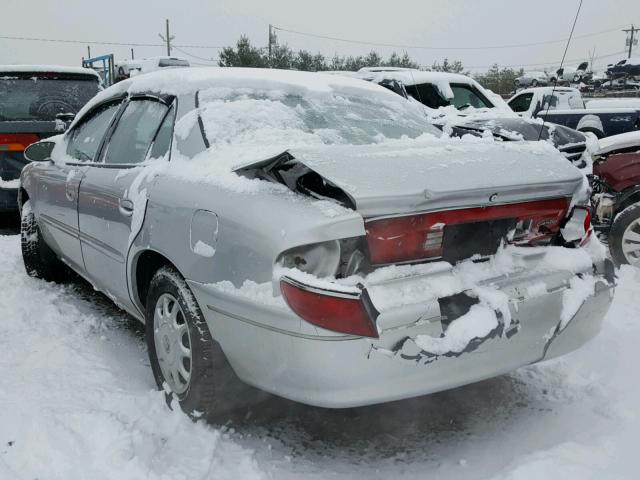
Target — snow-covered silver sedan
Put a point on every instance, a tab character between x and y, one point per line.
315	235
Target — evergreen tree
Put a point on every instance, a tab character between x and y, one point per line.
243	55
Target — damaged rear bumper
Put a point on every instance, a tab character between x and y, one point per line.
273	349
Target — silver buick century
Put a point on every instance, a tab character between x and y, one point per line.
314	236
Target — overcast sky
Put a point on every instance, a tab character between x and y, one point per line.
453	23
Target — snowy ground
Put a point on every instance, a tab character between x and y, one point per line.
77	400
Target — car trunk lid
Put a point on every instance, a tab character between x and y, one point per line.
386	180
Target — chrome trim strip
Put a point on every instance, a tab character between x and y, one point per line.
63	227
101	246
324	338
320	291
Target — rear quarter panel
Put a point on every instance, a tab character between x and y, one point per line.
252	229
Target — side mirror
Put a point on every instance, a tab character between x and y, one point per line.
39	151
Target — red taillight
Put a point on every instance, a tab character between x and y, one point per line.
420	237
337	311
16	142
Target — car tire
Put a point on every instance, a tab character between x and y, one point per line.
39	260
212	389
595	131
626	224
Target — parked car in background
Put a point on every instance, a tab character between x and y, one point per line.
565	106
616	196
568	75
532	79
462	106
126	68
629	67
36	101
153	64
315	234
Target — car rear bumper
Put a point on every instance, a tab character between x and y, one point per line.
271	348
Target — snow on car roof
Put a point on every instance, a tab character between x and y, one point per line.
47	68
188	80
410	76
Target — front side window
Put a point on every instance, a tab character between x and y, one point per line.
466	96
521	102
134	132
85	139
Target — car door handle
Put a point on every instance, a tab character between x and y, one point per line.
126	207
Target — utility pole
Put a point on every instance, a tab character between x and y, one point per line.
132	56
270	41
88	51
167	38
632	31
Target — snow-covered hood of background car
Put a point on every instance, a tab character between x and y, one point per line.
389	179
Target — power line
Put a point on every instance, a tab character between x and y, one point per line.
547	63
97	42
192	55
555	82
425	47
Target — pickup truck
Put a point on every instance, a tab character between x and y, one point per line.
566	107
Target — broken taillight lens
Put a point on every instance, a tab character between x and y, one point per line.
16	142
422	236
577	229
342	312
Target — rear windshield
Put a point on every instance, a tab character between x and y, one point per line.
246	116
25	97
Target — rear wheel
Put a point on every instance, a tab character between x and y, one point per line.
187	362
624	238
39	260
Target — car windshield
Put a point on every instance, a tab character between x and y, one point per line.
37	97
272	116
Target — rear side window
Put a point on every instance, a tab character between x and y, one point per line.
427	94
135	131
162	142
85	139
521	102
40	97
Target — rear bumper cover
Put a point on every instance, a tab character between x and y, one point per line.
271	348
